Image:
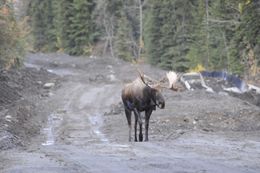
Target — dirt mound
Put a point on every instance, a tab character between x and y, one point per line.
19	91
250	97
223	84
217	85
8	94
25	80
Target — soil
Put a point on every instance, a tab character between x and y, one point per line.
20	91
79	124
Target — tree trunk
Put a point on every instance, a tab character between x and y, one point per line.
141	29
207	28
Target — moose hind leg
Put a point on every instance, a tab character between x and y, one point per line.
128	117
139	120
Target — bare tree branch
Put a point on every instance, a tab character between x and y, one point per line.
223	21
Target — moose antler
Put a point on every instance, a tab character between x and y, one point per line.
145	78
171	77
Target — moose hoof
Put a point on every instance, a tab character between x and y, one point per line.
140	138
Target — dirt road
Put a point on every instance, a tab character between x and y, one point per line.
86	129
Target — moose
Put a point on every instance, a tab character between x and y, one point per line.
141	96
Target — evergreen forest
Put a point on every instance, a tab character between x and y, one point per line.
181	35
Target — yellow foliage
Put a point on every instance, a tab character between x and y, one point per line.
198	68
88	49
59	44
248	1
242	4
10	63
240	7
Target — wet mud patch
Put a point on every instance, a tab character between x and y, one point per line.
49	131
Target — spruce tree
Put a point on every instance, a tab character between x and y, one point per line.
197	54
122	40
213	34
82	27
246	41
65	20
127	30
152	33
41	13
11	41
168	33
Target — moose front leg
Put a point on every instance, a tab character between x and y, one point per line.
141	132
139	120
147	118
136	127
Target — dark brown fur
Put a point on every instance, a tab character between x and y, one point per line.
138	97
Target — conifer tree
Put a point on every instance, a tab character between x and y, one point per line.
178	34
41	13
152	33
246	41
168	33
122	41
197	54
128	31
213	35
11	41
64	21
82	27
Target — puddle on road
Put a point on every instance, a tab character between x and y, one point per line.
31	65
61	72
92	100
97	121
54	120
58	71
111	76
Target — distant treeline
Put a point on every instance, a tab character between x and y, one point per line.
173	34
11	37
